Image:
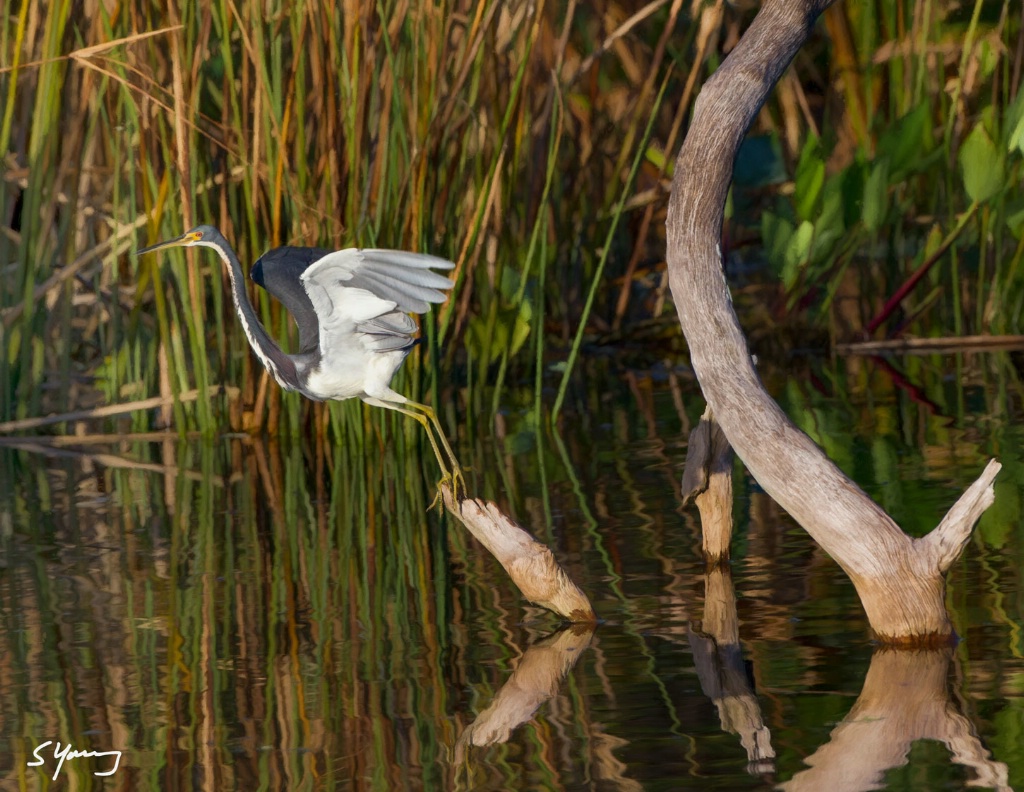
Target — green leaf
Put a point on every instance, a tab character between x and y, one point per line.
907	143
776	232
851	182
876	195
1016	142
830	224
521	326
809	179
508	333
1014	125
797	252
982	165
1015	218
655	156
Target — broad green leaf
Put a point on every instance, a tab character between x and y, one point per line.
509	332
932	243
989	58
655	156
981	164
851	182
1015	219
797	252
776	232
1013	124
907	143
1016	142
522	324
830	224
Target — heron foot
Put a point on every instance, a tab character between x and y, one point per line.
438	500
457	482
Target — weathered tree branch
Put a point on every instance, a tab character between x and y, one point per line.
531	565
707	481
900	581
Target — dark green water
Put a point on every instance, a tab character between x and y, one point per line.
232	614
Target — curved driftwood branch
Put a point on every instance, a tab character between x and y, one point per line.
900	581
531	565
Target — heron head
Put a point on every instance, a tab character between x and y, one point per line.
200	235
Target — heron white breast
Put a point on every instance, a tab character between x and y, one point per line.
349	372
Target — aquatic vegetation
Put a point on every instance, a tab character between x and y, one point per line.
529	143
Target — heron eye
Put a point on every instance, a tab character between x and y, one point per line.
199	234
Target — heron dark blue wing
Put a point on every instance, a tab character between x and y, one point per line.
279	271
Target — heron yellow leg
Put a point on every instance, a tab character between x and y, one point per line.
426	417
429	412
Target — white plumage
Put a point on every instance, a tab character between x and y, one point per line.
362	300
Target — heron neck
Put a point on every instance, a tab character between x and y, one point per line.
274	359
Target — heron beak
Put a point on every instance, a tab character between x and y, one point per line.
184	239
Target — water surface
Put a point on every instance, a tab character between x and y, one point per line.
238	613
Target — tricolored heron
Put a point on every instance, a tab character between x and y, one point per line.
352	308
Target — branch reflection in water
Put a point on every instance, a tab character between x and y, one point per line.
907	695
536	678
707	481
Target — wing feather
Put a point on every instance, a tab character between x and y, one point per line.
369	293
388	332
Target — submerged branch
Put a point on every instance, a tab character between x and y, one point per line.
531	565
107	410
707	480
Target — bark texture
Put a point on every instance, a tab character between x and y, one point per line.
900	580
707	481
531	565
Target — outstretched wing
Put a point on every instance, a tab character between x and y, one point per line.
369	293
279	271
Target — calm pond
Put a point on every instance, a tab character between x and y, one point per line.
242	614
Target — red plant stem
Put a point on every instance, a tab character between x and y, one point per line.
908	285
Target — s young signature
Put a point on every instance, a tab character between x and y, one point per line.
61	754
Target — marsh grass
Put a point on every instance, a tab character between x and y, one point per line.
530	143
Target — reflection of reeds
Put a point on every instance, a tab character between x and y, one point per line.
350	635
258	603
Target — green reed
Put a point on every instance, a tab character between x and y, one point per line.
479	132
